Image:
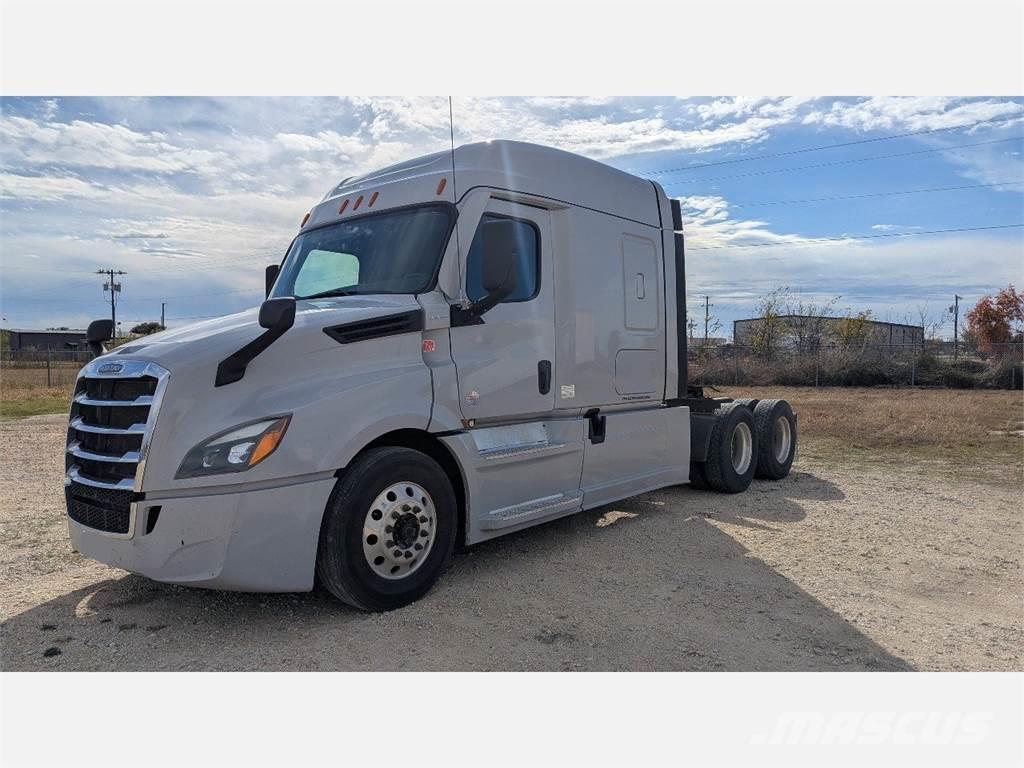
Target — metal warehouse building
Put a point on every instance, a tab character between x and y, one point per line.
878	333
21	339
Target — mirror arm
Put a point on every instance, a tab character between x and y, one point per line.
473	314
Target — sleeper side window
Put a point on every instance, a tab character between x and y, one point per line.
527	270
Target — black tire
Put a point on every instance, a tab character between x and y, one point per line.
341	565
721	474
766	414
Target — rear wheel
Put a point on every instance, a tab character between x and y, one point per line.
732	450
776	432
388	531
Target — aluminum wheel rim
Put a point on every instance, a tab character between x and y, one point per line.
399	530
742	448
782	439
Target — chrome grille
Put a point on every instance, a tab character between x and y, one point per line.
112	416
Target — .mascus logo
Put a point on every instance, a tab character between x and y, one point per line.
111	367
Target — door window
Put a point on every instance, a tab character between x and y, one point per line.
527	268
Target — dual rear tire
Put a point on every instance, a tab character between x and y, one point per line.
745	443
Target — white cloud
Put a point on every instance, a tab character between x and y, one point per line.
81	144
51	188
915	113
893	227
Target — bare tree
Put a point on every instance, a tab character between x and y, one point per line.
809	321
932	327
853	330
769	327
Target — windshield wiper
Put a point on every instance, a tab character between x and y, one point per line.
330	293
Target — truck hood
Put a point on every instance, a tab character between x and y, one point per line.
208	342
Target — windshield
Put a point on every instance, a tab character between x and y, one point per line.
390	252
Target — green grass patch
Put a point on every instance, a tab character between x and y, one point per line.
19	409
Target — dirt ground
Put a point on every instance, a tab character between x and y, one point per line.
860	566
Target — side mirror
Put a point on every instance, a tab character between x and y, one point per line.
271	274
98	332
278	315
500	246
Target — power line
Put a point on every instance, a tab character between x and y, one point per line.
817	240
824	146
873	194
848	162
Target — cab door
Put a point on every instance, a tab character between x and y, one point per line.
505	363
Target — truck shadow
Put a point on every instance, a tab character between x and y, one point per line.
646	584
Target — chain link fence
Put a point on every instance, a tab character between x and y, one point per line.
998	366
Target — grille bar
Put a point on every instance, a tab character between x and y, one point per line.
75	476
79	423
82	398
75	449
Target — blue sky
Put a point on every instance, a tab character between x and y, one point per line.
193	196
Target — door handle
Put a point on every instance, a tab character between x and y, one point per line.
544	376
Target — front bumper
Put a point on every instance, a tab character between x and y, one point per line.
253	541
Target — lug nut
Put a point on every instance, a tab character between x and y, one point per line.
398	553
394	515
418	546
423	518
388	529
408	554
423	534
389	543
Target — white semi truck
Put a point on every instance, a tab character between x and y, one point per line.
452	349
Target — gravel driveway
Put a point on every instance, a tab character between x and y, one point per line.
834	568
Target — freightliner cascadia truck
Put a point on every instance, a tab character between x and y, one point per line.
452	349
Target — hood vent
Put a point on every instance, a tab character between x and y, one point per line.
377	327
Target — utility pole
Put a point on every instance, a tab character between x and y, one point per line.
114	288
707	317
163	304
955	309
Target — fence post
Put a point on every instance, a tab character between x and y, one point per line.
48	382
816	358
735	367
913	369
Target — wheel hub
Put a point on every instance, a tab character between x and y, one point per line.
406	530
399	530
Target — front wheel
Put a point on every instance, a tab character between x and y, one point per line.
388	530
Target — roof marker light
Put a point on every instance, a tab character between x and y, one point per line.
373	199
344	205
441	185
359	201
305	219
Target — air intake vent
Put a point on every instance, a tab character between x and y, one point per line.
377	327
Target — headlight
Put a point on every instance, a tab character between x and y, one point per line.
236	450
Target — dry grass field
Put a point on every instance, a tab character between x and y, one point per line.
941	429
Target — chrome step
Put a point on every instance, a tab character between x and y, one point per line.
548	506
